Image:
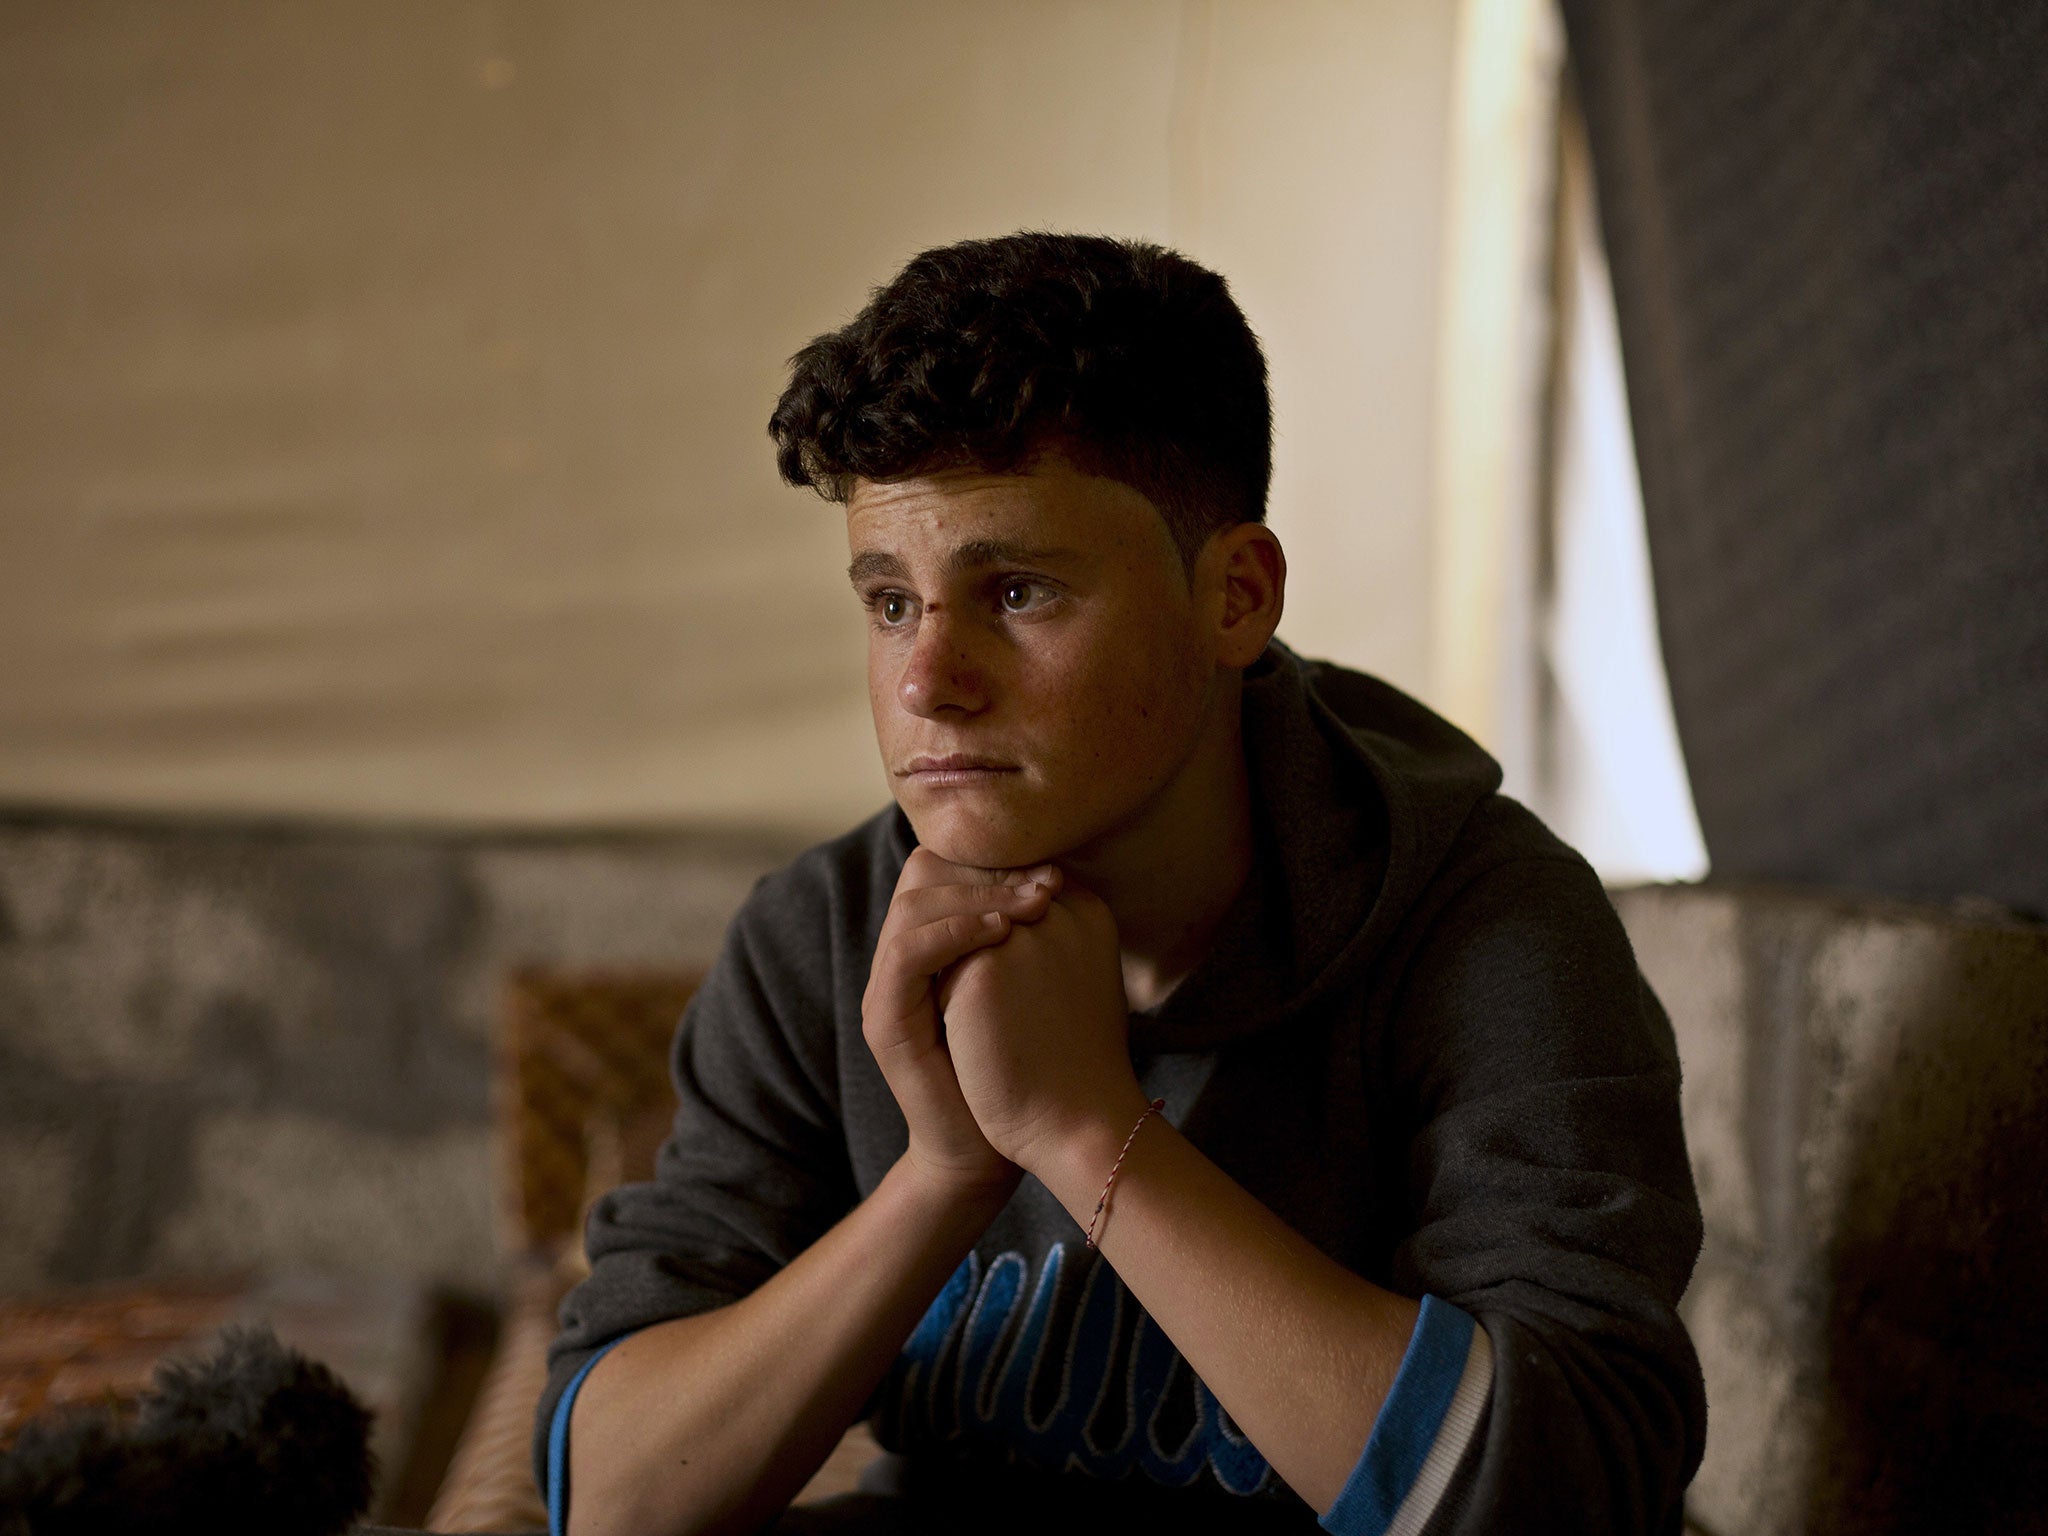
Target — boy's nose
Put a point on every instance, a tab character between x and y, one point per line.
941	673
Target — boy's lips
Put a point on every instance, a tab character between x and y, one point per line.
955	768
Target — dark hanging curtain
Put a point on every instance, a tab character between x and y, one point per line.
1828	227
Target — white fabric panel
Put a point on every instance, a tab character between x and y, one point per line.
1617	788
382	386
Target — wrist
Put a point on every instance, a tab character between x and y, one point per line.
941	1194
1074	1165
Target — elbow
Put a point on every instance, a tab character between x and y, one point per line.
1588	1435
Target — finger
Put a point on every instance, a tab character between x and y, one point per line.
915	909
906	962
1077	897
898	1016
925	868
1050	876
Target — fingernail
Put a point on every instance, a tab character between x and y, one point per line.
991	919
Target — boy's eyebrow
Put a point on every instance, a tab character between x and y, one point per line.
871	563
976	554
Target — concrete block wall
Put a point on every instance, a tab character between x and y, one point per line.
1866	1101
229	1048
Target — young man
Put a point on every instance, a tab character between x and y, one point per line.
1403	1248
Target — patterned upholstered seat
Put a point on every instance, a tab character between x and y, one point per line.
582	1103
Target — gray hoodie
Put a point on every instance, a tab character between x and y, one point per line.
1419	1037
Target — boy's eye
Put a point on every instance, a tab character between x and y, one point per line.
1017	595
892	608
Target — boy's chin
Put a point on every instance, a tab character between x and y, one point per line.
980	846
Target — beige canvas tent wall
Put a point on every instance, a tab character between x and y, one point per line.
384	384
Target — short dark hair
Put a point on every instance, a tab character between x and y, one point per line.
1129	358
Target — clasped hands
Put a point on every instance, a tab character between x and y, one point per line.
995	1008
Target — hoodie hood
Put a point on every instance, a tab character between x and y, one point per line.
1358	793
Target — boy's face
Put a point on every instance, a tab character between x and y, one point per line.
1037	662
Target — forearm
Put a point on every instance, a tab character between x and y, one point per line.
1301	1351
714	1422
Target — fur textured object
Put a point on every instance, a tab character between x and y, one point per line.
251	1438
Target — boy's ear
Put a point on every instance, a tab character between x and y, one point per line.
1249	570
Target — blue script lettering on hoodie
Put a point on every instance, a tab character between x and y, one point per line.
956	1382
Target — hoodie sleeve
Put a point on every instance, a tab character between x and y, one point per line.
755	1168
1553	1202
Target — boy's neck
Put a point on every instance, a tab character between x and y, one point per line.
1171	878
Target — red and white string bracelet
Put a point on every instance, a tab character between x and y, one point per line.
1156	1107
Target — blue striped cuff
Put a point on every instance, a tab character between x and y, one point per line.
1423	1428
557	1490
